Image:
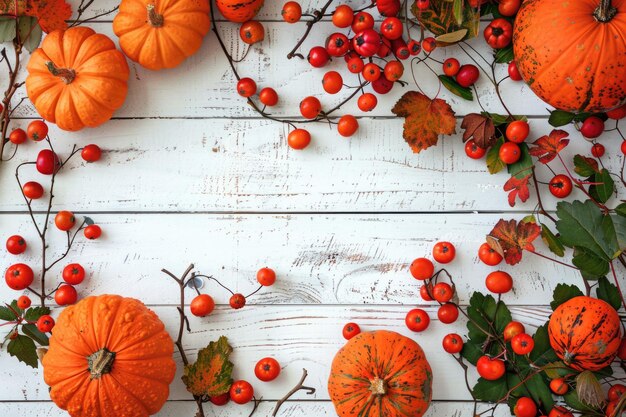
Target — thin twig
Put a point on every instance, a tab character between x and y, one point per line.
298	387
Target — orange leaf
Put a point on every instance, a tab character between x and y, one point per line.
211	373
51	14
513	238
517	188
547	147
426	119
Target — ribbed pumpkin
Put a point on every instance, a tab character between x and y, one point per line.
585	333
161	33
380	373
77	78
572	54
109	356
239	11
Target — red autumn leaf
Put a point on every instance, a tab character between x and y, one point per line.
426	119
51	14
513	238
517	188
480	128
547	147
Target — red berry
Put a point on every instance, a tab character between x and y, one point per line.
350	330
514	72
93	231
45	323
468	74
17	136
597	150
32	190
73	274
16	245
91	153
429	44
268	96
318	56
246	87
23	302
451	67
220	399
237	301
592	127
65	295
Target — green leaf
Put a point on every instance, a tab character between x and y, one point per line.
497	119
552	242
603	191
542	353
563	293
621	210
585	167
494	163
581	117
211	374
609	293
33	313
505	55
30	32
556	369
524	165
24	349
443	17
31	331
472	352
455	88
560	118
458	11
584	225
491	391
591	266
7	29
89	221
6	314
620	229
571	399
540	392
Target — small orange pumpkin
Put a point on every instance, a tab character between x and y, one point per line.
109	355
380	373
77	78
572	54
585	333
161	33
239	11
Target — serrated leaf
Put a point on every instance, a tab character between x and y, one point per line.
31	331
498	119
542	353
491	391
571	399
505	55
563	293
591	266
480	128
7	29
514	237
547	147
621	209
584	225
471	352
604	188
24	349
552	242
7	314
540	392
560	118
556	369
443	17
211	373
425	119
456	88
524	165
494	163
517	188
33	313
584	166
609	293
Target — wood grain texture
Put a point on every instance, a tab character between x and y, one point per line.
320	259
246	165
289	409
299	337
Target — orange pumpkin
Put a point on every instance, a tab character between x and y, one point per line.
572	54
380	373
77	78
108	356
161	33
585	333
239	11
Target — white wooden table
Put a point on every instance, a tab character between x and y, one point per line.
191	174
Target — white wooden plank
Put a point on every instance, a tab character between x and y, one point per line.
246	165
204	86
289	409
336	259
298	337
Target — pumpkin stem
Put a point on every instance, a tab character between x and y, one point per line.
155	19
605	11
66	74
378	386
100	363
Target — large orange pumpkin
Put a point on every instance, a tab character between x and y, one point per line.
572	54
109	356
585	333
239	11
161	33
77	78
380	373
